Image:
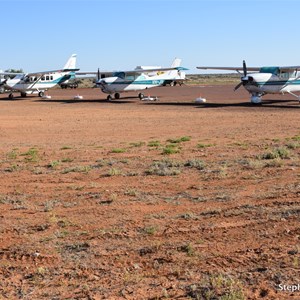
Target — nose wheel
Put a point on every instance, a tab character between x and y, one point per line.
256	98
141	96
109	98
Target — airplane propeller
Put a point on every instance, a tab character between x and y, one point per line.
98	81
244	68
245	79
98	75
238	86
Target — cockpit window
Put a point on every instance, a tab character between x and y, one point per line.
129	77
287	74
119	74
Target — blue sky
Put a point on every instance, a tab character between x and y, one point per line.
121	34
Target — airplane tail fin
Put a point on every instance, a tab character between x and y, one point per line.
176	63
71	63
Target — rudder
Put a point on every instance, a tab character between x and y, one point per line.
71	63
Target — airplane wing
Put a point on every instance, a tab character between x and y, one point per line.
106	73
136	71
289	68
9	73
230	68
254	69
52	71
140	71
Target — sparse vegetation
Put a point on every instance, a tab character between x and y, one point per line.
118	150
76	169
195	163
188	248
114	172
154	144
164	168
65	148
66	160
53	164
219	286
202	145
282	153
170	149
12	154
31	155
179	140
137	144
150	230
212	79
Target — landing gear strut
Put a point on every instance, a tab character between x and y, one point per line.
298	97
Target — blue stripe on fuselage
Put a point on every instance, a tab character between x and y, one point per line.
56	81
142	82
293	82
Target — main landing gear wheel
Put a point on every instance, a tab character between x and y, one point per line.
11	96
141	96
109	98
41	94
23	95
117	96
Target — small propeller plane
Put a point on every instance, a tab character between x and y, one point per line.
3	78
135	80
38	82
266	80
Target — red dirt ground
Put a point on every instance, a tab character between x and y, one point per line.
149	200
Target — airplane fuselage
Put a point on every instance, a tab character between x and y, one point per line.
269	83
34	84
115	84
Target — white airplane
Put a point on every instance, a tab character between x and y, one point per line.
135	80
39	82
3	78
178	78
266	80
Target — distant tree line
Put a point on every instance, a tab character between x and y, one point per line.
14	71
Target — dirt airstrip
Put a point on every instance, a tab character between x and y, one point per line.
150	200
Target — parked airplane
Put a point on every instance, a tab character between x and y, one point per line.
135	80
3	78
178	78
266	80
39	82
